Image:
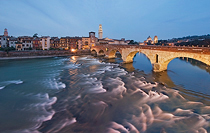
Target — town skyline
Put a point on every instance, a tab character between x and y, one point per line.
134	20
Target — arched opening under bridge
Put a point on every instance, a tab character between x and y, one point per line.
142	63
101	53
115	56
93	52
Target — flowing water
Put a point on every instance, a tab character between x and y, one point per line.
92	95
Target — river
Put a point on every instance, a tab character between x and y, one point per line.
83	94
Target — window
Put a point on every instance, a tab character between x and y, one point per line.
156	58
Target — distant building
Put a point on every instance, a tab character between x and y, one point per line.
4	41
141	43
56	43
27	42
113	41
45	42
103	41
12	42
18	46
117	41
37	44
86	43
65	43
53	41
100	32
74	42
150	41
5	32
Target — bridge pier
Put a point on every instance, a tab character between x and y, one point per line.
157	67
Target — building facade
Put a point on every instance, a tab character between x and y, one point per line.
65	43
74	42
37	45
85	43
52	42
45	42
79	44
18	46
12	42
4	41
27	42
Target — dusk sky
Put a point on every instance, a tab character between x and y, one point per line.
129	19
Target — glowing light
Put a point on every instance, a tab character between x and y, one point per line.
73	58
73	50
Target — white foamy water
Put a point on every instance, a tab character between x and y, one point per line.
2	87
54	84
6	83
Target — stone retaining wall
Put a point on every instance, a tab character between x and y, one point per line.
43	53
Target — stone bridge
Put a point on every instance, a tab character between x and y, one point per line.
159	56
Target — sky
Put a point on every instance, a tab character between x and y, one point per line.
129	19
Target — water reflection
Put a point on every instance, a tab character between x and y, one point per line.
163	77
187	75
142	63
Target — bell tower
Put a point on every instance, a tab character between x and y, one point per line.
100	32
5	32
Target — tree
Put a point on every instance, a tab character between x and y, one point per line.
35	35
133	42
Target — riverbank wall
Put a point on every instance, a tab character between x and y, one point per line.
40	53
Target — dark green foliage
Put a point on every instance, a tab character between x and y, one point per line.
35	35
133	42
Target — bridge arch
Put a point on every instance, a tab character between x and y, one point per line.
112	53
132	54
165	62
93	52
101	53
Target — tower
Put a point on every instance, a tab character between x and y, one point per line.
100	32
155	39
5	32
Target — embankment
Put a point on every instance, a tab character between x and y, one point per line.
40	54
